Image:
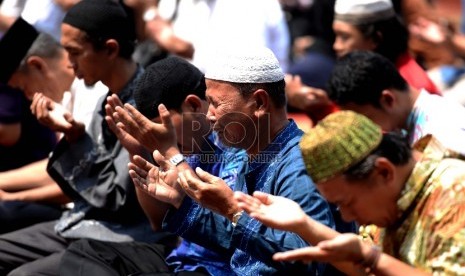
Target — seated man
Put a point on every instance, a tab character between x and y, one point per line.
414	196
39	64
369	83
23	141
180	87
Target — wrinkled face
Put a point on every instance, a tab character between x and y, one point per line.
366	201
349	38
231	114
88	64
50	76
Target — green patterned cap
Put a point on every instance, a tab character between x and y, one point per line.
337	142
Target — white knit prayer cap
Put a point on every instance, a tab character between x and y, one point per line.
252	64
363	11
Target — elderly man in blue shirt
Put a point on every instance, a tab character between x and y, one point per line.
245	91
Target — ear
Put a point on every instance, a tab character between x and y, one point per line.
192	103
375	40
112	48
37	63
262	101
388	99
385	170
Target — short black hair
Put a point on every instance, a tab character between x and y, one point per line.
361	76
102	20
390	35
168	81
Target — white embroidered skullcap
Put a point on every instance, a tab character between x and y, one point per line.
363	11
253	64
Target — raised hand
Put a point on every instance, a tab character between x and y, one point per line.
158	182
127	140
56	117
49	113
304	97
274	211
344	247
209	191
160	136
428	30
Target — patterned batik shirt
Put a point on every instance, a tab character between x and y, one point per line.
430	233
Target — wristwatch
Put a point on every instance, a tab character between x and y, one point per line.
177	159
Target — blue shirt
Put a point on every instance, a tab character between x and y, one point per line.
278	170
225	163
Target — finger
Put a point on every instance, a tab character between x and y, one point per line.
120	132
247	203
205	176
192	181
112	124
69	118
114	101
305	254
182	180
35	99
137	180
142	163
341	241
42	111
154	174
265	198
165	116
288	78
162	161
109	110
122	116
139	170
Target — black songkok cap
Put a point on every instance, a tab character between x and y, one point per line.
168	81
14	46
101	18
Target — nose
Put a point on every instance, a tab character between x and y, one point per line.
337	46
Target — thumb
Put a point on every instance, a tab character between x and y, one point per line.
165	116
205	176
161	160
68	117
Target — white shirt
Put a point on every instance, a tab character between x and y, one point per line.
212	23
439	116
82	100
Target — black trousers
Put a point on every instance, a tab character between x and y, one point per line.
16	215
90	257
35	250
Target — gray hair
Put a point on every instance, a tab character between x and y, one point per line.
45	46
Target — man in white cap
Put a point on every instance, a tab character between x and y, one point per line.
247	108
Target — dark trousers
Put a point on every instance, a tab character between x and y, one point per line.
90	257
15	215
35	250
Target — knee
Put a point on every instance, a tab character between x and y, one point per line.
22	271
